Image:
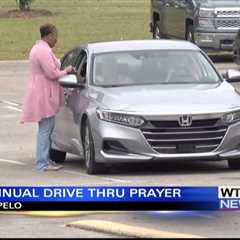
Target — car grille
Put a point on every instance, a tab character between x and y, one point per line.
168	137
227	18
226	12
228	23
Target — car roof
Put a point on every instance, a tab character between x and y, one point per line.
135	45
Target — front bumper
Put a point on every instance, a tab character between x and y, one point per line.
138	148
215	41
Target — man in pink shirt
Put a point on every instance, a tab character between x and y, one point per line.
44	96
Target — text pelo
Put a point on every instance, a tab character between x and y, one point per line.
10	205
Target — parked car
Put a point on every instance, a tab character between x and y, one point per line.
147	100
211	24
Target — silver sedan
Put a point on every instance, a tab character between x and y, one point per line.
148	100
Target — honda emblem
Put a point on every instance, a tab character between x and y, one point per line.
185	121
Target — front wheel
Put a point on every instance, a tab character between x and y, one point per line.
234	164
236	57
92	167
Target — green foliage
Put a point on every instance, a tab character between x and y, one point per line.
24	5
78	21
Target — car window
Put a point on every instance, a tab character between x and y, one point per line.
70	58
153	67
80	59
81	66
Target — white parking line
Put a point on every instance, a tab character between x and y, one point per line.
75	173
13	108
117	180
12	162
103	178
71	172
11	103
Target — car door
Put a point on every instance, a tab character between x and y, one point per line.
68	119
63	131
77	100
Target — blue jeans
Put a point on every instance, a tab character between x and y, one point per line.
45	128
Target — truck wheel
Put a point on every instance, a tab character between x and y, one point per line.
234	164
57	156
190	34
236	57
92	167
156	31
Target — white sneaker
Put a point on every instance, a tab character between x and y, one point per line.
53	168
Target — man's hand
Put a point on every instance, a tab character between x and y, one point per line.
70	70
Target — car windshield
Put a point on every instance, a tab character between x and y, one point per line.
152	67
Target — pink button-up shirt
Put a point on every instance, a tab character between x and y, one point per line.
43	95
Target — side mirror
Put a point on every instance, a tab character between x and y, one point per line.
70	81
233	75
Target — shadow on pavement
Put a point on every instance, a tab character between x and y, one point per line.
154	168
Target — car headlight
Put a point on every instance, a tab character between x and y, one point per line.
208	23
232	117
206	12
120	118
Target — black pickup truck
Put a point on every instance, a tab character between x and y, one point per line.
210	24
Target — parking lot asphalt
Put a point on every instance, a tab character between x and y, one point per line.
17	154
17	150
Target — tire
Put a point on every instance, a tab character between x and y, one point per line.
190	34
234	164
57	156
92	167
156	31
236	57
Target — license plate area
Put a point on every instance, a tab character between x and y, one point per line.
185	148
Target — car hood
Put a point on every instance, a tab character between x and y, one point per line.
169	99
220	3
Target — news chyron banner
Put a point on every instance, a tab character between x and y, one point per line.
117	198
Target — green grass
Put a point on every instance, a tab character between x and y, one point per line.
78	21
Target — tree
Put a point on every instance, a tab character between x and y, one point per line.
24	5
